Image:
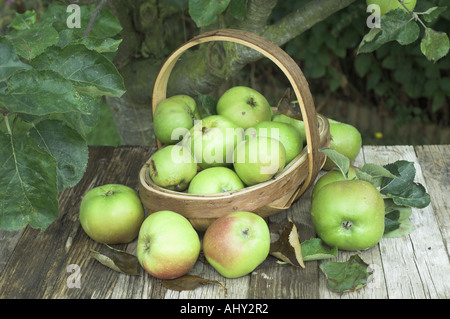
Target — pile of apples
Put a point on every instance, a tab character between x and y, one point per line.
243	144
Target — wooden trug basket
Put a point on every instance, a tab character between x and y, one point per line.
264	199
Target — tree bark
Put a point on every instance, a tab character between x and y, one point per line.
201	71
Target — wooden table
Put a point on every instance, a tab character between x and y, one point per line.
42	265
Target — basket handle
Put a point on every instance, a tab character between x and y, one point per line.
276	55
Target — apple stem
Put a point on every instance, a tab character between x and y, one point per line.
109	193
347	224
251	102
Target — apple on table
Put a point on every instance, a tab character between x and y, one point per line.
237	243
168	246
111	214
348	214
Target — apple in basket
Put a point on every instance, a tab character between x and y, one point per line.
168	246
172	117
172	167
215	180
258	159
212	141
285	133
235	244
244	106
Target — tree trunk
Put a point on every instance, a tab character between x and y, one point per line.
151	30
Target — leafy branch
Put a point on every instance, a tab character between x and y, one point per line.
52	79
403	26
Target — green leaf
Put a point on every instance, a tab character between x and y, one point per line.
9	61
101	45
314	249
31	42
66	146
205	12
39	93
402	188
28	184
89	71
238	9
346	276
397	223
23	21
341	161
106	25
432	14
396	25
362	64
434	45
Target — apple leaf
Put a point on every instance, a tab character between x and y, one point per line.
66	146
89	71
287	246
9	60
396	25
397	223
314	249
346	276
205	12
341	161
373	173
28	184
402	188
434	45
432	13
39	93
207	105
189	282
31	42
117	260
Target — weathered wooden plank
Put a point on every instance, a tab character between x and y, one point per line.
435	163
415	266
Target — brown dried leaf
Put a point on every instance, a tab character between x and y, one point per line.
117	260
189	282
287	247
287	107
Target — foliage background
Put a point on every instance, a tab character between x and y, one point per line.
393	96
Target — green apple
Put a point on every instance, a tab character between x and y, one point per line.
333	175
168	246
215	180
173	117
285	133
189	101
111	214
237	243
345	139
212	141
298	124
258	159
172	167
388	5
348	214
244	106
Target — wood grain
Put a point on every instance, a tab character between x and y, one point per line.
35	265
